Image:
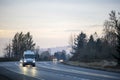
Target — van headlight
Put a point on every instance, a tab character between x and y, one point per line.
21	61
34	61
24	60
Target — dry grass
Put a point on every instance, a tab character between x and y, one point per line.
102	65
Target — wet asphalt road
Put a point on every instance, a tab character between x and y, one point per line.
52	71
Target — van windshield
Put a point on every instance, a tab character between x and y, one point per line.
29	56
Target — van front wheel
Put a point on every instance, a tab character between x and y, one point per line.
33	65
23	65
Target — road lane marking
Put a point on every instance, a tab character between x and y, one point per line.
74	77
65	75
79	72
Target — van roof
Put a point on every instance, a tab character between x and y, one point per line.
28	52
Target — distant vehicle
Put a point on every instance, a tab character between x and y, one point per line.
61	60
28	58
54	60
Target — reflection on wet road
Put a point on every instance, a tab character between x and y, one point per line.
57	71
29	71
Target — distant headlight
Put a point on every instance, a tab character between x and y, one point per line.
20	61
34	61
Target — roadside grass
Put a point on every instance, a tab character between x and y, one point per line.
99	65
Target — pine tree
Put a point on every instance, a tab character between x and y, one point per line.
112	30
79	45
118	46
91	48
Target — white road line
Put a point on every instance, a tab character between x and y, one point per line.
62	74
74	77
79	72
83	79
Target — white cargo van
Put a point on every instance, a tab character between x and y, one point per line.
28	58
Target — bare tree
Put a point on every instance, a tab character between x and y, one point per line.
8	51
71	42
110	29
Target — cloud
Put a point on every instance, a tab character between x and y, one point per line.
72	30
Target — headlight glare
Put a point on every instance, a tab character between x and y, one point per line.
34	61
24	60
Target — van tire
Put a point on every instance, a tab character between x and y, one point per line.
33	65
23	65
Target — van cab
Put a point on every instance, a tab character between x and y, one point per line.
28	58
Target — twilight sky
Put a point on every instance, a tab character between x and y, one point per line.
51	22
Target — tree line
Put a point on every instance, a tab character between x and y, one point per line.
20	43
106	47
90	49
